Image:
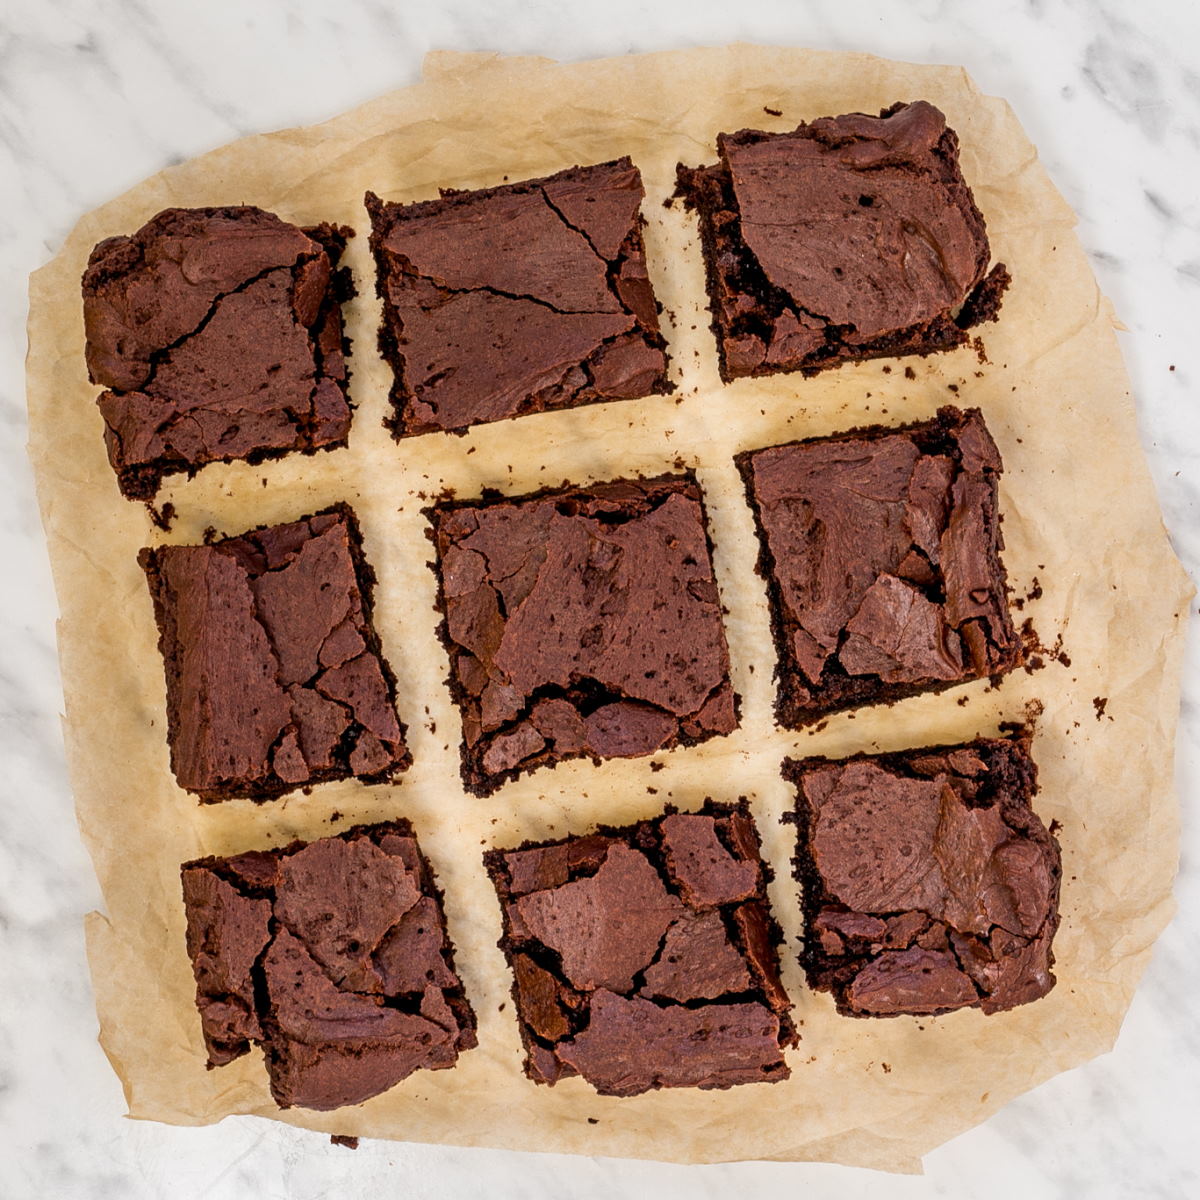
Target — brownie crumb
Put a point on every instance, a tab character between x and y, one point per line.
162	517
343	1139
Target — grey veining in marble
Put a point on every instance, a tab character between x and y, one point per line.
96	94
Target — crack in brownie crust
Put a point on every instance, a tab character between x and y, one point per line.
929	884
881	549
218	334
275	679
517	299
851	237
581	622
331	955
645	957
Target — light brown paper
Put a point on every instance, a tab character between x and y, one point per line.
875	1093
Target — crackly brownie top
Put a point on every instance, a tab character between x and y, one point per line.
861	221
274	676
218	335
518	298
884	554
930	884
582	622
849	237
332	956
645	957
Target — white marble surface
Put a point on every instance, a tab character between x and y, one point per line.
95	94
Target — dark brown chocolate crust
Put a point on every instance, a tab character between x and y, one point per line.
217	333
882	534
332	956
849	238
646	956
581	622
928	882
517	299
298	691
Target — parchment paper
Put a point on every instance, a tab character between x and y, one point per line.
1054	392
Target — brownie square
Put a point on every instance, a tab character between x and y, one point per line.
881	551
275	679
849	238
517	299
645	957
579	622
217	333
333	957
929	883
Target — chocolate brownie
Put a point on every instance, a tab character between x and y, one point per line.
929	882
851	237
333	957
645	957
881	550
275	678
584	621
218	334
517	299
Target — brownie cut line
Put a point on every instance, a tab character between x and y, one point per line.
217	334
275	678
929	883
645	957
849	238
581	622
332	956
881	551
517	299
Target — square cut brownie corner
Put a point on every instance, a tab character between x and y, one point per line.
333	957
274	673
646	957
581	622
881	551
929	883
217	335
849	238
517	299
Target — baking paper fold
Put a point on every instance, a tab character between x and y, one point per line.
1110	596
